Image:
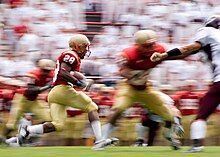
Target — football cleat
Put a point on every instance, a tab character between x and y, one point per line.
100	145
114	141
174	143
178	129
22	134
171	136
140	143
196	149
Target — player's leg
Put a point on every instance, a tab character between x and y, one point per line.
172	130
170	135
152	100
153	128
69	96
149	126
40	109
157	102
58	116
85	103
57	112
141	135
16	111
207	106
169	131
123	100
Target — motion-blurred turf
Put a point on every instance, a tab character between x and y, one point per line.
109	152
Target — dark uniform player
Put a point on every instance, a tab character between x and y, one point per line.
207	39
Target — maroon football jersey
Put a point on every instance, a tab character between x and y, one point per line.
69	57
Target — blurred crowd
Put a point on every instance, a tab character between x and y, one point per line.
35	29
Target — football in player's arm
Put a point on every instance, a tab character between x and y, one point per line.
63	94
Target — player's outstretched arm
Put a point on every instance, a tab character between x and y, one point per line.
177	53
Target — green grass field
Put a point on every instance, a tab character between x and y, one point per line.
109	152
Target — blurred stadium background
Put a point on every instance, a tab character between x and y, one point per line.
34	29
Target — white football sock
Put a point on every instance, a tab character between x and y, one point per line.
97	130
198	129
36	129
11	140
141	131
107	130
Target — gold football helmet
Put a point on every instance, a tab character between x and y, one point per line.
46	64
80	44
145	37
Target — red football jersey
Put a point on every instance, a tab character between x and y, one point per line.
137	61
39	79
69	57
187	102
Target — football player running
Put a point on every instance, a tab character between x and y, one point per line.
207	39
63	93
26	99
135	65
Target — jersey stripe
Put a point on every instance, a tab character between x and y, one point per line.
56	71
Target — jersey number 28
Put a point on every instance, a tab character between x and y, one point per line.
68	59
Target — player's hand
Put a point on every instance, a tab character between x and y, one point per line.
32	90
155	57
89	82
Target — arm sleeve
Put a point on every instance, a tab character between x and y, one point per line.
202	36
